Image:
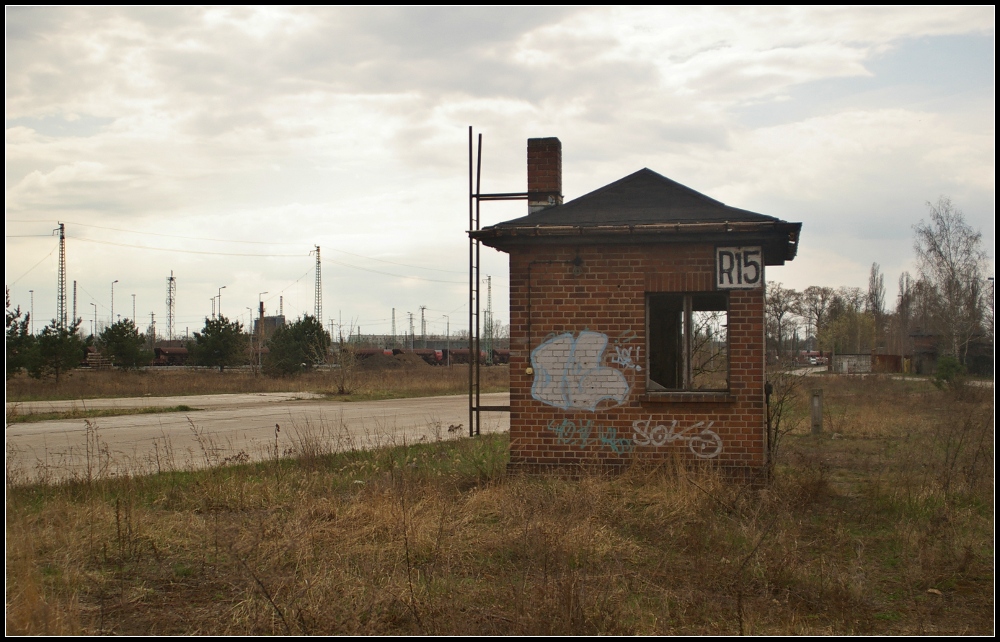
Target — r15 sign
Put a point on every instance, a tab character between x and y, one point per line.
738	267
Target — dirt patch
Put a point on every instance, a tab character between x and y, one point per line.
411	360
379	362
402	361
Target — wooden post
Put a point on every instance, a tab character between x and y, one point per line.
816	410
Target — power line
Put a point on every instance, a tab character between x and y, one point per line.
173	236
167	249
14	282
218	240
257	255
419	267
401	276
95	299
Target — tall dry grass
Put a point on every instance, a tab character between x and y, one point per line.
882	525
413	380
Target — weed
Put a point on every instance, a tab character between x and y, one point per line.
411	381
372	536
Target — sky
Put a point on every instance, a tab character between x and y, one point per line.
223	145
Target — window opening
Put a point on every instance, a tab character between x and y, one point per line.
688	342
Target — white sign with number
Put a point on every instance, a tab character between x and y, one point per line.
739	268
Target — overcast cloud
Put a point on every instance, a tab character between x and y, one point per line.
225	143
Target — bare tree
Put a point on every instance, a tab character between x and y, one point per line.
781	305
901	320
849	328
815	307
952	264
876	301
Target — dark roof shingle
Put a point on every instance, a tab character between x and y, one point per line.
646	207
642	198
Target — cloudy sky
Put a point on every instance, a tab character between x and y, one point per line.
224	144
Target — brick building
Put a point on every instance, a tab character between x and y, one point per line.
637	322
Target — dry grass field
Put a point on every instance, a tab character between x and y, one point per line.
881	525
412	378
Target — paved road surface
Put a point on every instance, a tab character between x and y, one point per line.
232	426
194	401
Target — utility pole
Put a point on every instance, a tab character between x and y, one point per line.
171	297
423	326
74	301
448	332
318	297
393	328
32	293
152	330
213	307
61	290
281	306
134	319
411	329
260	331
93	332
113	301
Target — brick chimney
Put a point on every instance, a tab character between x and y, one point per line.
544	173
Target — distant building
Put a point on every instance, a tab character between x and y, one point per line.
269	325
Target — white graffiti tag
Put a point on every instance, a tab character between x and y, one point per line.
569	373
705	444
623	357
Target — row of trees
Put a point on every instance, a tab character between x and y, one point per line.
950	301
221	343
55	350
292	348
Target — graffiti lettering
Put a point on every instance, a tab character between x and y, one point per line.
617	445
705	444
623	357
567	432
570	373
584	433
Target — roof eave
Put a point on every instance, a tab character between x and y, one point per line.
782	237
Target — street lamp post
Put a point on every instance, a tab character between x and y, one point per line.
113	301
220	300
448	332
260	329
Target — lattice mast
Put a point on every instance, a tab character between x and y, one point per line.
318	306
171	302
61	289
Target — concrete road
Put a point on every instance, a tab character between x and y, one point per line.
232	428
194	401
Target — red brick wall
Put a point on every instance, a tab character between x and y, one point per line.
544	173
606	293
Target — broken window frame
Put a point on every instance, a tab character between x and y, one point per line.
663	372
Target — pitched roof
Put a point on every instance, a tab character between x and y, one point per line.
647	207
641	198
